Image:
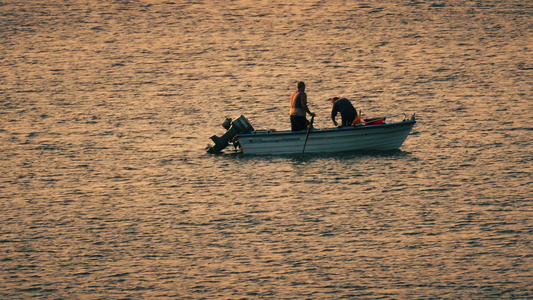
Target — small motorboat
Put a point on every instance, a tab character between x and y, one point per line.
369	135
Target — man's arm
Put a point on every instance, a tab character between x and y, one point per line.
334	112
304	105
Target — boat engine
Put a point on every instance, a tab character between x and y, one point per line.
239	126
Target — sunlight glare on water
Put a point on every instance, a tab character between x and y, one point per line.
106	189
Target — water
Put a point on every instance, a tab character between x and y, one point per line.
107	192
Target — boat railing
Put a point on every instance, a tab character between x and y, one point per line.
397	115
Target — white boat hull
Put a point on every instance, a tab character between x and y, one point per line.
383	137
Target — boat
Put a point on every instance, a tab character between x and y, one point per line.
369	135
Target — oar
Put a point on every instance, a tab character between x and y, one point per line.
307	136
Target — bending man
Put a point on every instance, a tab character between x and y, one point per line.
345	107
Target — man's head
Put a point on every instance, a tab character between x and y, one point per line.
334	99
301	86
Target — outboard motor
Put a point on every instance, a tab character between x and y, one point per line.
239	126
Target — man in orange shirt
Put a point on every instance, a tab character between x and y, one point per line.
299	108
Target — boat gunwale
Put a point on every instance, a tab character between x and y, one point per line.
323	131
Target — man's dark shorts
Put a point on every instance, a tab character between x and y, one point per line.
298	123
348	119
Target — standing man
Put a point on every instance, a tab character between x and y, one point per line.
345	107
299	108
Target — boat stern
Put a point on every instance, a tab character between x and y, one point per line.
239	126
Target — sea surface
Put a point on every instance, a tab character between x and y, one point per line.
107	192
